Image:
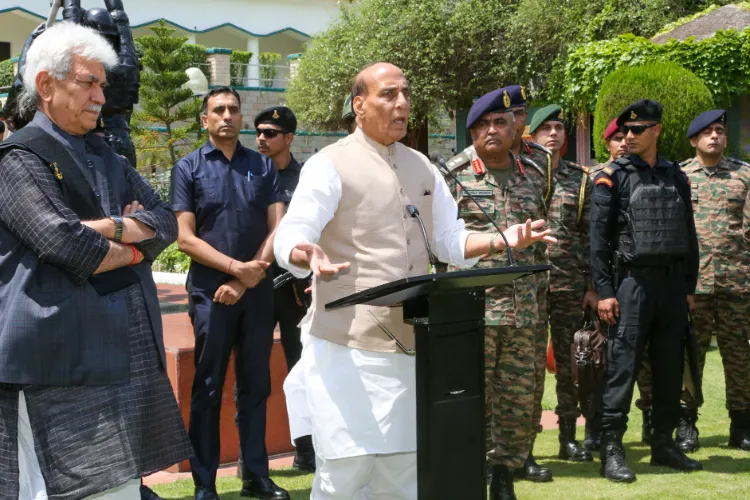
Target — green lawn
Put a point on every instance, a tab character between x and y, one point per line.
726	475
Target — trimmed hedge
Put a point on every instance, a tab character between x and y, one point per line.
682	94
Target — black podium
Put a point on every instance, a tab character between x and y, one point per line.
447	312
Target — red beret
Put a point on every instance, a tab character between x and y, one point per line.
612	129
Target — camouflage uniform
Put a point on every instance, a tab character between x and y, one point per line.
511	311
721	204
538	161
571	276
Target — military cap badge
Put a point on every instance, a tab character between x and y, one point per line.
633	116
275	114
506	99
560	116
523	93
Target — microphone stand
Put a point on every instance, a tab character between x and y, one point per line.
441	163
414	212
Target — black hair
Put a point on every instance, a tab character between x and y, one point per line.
217	91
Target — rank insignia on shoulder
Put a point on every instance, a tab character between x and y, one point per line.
56	171
608	170
606	181
478	166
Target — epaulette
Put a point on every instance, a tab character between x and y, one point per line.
539	147
621	162
685	162
576	166
737	162
460	159
528	161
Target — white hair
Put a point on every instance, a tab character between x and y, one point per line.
53	51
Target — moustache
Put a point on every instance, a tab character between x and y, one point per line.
95	108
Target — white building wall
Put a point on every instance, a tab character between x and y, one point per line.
259	17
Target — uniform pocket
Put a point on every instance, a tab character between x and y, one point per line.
736	193
254	189
208	191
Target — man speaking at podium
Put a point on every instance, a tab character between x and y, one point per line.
348	222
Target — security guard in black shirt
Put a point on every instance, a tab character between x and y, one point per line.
644	254
274	133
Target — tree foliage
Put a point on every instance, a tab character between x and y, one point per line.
6	73
721	61
682	94
165	127
543	34
446	48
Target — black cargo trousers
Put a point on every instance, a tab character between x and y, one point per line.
653	312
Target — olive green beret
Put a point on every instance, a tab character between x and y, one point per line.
551	112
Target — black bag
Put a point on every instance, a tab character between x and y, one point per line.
588	358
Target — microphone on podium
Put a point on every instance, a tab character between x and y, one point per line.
414	212
438	160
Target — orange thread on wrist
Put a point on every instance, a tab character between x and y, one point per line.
229	267
135	255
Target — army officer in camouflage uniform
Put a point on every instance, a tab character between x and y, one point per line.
721	203
571	288
538	160
500	183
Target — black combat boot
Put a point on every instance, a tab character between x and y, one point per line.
593	441
570	449
686	437
501	487
665	452
304	458
739	430
647	430
532	471
614	466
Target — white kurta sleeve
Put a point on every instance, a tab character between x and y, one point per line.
312	207
448	231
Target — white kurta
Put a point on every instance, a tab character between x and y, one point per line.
354	402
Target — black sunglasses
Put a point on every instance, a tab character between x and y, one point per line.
270	133
636	129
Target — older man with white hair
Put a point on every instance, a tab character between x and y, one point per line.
85	406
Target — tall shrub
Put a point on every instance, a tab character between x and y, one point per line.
238	67
165	127
682	94
268	69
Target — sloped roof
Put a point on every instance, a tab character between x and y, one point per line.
728	17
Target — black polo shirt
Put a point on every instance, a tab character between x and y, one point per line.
230	201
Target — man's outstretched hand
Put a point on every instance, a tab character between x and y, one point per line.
523	235
318	260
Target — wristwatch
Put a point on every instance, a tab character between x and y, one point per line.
118	228
493	250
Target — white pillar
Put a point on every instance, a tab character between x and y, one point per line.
191	38
253	72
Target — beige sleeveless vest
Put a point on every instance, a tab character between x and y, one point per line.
372	230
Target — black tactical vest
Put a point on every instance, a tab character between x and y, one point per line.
654	228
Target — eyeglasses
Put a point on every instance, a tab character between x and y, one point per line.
269	133
636	129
